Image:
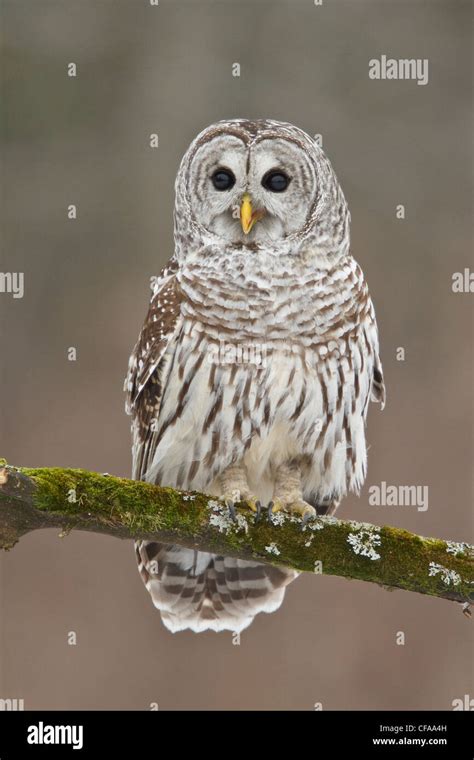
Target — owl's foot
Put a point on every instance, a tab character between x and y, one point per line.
298	507
288	493
250	500
253	504
231	499
233	483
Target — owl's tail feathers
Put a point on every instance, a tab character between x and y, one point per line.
198	591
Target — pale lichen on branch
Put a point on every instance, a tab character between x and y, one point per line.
68	499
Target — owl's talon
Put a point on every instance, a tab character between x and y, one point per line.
244	498
307	516
271	510
231	507
300	508
258	511
307	513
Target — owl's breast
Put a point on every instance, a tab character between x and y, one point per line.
278	302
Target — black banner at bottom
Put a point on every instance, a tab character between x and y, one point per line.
374	734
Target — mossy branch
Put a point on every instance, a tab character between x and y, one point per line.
68	499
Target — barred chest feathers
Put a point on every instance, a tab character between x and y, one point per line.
277	358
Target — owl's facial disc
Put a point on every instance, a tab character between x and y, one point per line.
247	194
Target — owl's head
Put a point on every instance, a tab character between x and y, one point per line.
260	184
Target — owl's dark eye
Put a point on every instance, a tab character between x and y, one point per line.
223	179
275	181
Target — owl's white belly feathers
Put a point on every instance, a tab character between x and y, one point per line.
289	408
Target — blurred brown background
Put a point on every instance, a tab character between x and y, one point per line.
85	140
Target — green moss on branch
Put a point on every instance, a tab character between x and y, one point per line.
69	499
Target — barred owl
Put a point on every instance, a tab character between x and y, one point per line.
261	266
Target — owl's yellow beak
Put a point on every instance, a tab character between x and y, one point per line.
248	216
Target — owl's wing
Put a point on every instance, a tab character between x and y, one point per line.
378	384
148	367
